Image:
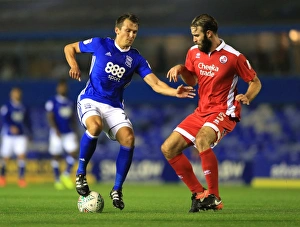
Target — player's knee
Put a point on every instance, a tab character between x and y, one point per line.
164	149
167	151
125	136
94	128
202	143
127	140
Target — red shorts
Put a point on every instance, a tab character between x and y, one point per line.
219	122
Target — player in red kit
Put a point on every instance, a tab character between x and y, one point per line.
216	68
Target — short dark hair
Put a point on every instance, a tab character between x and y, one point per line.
16	88
62	81
205	21
133	18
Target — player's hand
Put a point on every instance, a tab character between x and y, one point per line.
185	92
14	130
173	73
57	133
75	73
243	99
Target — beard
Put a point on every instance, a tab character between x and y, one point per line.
205	45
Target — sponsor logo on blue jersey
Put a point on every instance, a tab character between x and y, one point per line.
115	71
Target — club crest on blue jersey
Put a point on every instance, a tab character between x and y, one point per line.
128	61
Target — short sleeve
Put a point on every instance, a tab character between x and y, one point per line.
188	62
49	106
89	45
244	69
144	68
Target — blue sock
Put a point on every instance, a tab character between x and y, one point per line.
56	171
123	164
70	163
88	145
21	164
3	168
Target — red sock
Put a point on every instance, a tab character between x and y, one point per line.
184	170
210	170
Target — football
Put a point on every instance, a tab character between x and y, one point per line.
93	203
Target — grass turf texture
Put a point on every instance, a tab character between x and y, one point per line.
148	205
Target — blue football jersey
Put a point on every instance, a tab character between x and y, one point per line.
111	70
14	115
63	111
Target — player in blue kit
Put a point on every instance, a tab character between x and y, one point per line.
62	136
16	128
100	104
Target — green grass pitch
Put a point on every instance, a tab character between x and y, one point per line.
148	205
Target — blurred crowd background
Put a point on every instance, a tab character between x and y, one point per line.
33	34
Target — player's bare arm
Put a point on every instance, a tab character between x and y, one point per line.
188	77
52	123
162	88
252	91
70	53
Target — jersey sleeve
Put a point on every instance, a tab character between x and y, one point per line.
188	62
4	110
144	67
244	69
49	106
89	45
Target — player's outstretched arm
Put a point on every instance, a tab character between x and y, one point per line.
188	78
70	54
162	88
52	122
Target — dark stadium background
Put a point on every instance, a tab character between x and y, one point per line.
265	145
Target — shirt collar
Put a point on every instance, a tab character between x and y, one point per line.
120	49
221	46
61	98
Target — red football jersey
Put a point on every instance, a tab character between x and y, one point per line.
218	74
